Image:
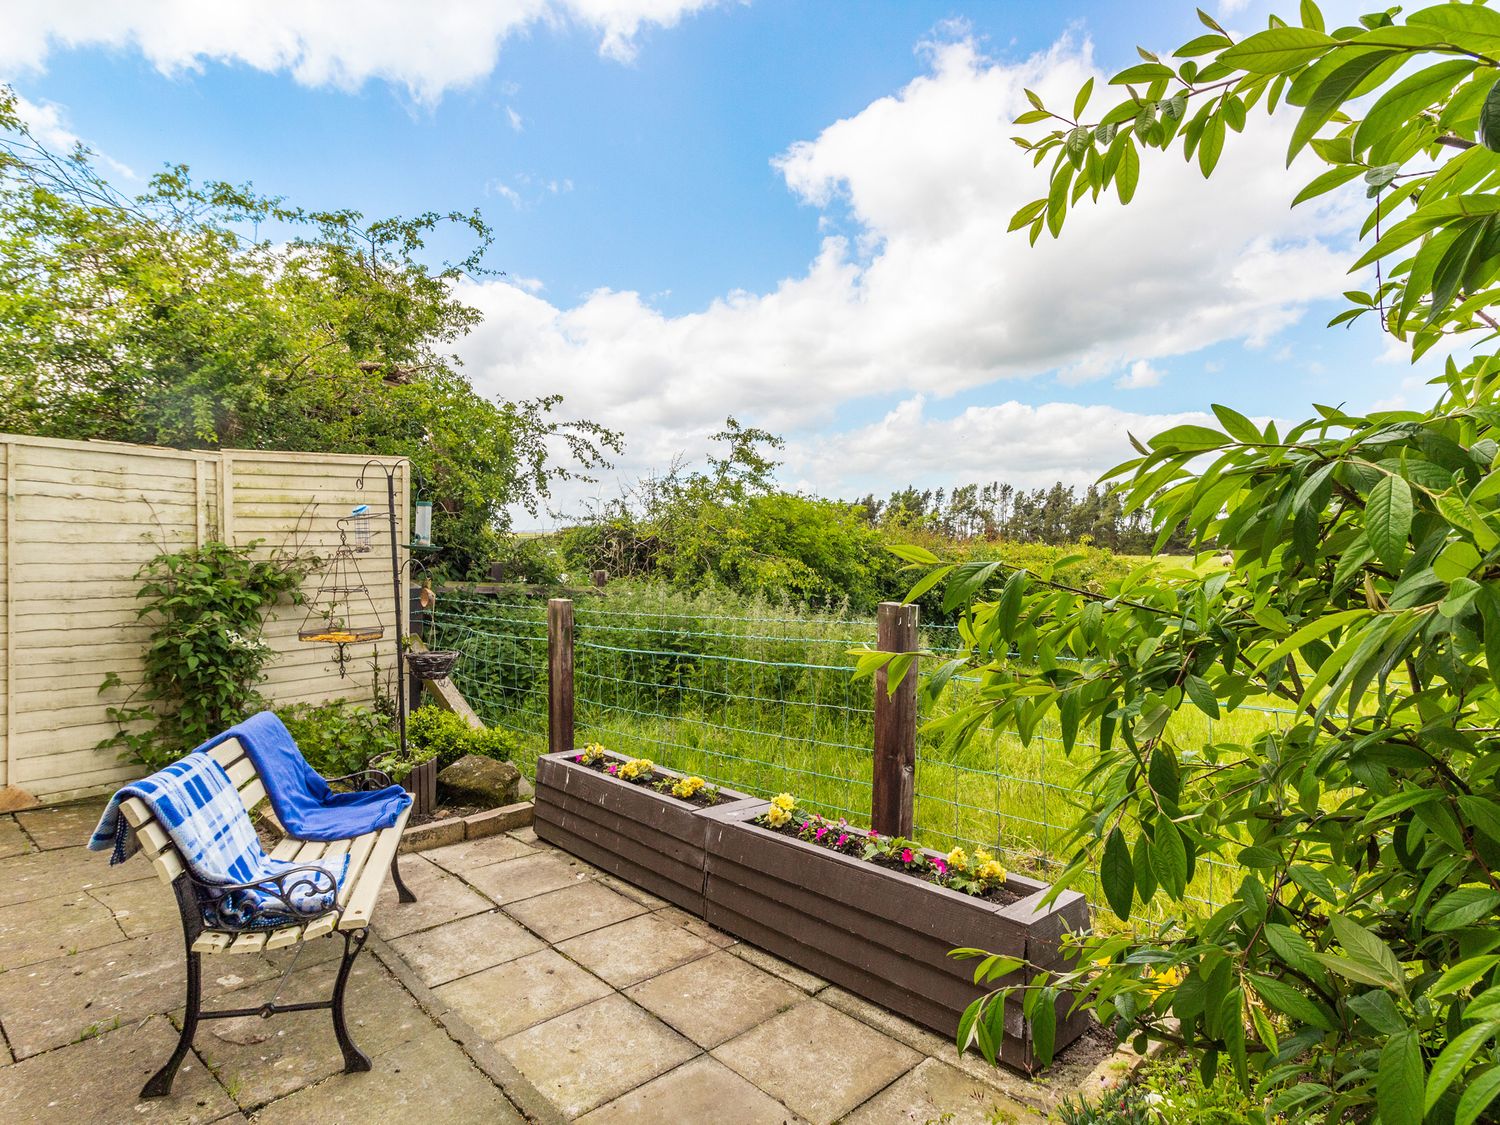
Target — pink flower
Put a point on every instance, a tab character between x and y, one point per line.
906	855
873	836
942	868
610	768
843	839
820	833
578	758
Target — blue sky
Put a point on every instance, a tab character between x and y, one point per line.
782	210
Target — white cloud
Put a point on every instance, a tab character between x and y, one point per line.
48	124
1139	374
928	295
428	48
513	117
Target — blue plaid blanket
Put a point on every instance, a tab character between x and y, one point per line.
196	803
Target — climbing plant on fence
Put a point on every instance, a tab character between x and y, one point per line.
1356	970
206	659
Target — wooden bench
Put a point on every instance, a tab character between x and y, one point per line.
370	857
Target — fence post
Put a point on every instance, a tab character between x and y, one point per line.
893	793
559	675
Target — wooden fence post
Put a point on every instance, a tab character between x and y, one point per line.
893	793
559	675
600	578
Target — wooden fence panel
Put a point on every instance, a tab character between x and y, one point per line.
77	521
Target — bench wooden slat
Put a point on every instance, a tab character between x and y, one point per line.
362	899
228	752
290	935
242	773
359	855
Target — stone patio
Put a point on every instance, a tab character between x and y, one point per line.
524	985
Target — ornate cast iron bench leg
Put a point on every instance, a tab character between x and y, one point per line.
160	1083
403	893
354	1059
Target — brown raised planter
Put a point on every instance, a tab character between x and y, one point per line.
651	839
881	934
421	783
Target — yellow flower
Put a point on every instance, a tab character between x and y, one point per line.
592	753
981	857
687	786
1168	978
989	869
958	859
1102	962
785	802
776	816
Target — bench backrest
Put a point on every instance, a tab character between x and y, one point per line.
154	839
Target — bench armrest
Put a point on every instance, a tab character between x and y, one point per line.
364	779
276	896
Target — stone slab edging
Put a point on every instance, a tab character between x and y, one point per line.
456	829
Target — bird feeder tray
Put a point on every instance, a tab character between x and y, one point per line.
341	636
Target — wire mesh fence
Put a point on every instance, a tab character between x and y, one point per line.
768	704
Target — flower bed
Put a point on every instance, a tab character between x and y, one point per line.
882	926
627	826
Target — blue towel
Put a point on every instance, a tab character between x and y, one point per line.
306	807
195	801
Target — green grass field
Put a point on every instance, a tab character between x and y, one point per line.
762	699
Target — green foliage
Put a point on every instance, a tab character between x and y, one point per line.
1355	972
206	607
1171	1089
339	737
433	732
206	314
731	528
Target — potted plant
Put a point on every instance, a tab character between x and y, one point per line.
879	917
632	818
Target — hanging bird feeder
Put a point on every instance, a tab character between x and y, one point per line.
423	530
343	611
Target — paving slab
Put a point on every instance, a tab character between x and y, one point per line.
715	999
48	874
593	1054
478	853
12	840
259	1060
527	877
426	1079
635	949
630	891
61	926
526	835
457	949
559	915
100	1080
55	1002
441	897
505	999
143	907
817	1061
64	826
701	1090
935	1091
698	926
777	967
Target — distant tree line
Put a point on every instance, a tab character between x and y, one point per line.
1057	515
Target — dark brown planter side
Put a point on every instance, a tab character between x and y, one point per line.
880	934
421	783
651	839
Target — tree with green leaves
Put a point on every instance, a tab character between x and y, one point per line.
200	315
1352	968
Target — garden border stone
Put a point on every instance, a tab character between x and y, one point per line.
456	829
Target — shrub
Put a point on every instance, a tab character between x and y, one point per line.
340	737
433	732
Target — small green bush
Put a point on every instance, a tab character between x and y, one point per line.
434	732
340	737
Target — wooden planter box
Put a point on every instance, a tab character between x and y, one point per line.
421	783
651	839
880	934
